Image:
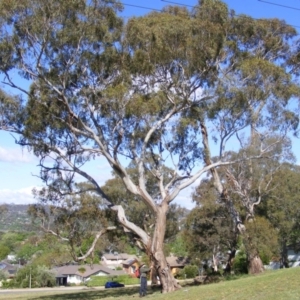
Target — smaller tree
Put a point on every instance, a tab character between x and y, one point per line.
4	251
79	220
282	208
34	276
209	232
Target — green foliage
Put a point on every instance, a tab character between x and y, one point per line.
26	251
101	280
262	237
189	271
281	205
3	275
4	251
81	270
13	239
45	277
178	246
75	219
51	252
37	276
240	264
209	224
8	284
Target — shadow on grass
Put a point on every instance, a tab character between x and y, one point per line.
97	294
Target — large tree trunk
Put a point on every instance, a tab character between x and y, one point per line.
167	280
154	245
255	264
230	261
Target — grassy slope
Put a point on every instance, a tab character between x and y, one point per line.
276	285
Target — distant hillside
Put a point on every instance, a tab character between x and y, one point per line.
15	218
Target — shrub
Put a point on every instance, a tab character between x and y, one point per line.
8	284
190	271
39	276
101	280
240	265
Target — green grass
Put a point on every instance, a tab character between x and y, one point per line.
272	285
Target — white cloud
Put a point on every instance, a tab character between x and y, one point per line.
13	155
21	196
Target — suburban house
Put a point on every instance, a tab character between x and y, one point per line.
114	260
176	263
130	265
77	274
9	269
293	256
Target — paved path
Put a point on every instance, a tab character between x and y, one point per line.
54	289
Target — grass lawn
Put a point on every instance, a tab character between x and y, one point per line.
272	285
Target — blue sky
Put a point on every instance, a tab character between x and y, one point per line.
18	166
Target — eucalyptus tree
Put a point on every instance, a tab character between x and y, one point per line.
79	221
142	92
254	101
281	207
209	231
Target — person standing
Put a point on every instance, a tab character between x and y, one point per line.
143	279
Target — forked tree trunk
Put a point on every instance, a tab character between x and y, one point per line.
167	280
154	245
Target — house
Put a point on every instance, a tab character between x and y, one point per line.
9	269
176	263
114	260
130	265
77	274
11	258
293	257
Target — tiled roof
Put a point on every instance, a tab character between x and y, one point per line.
130	261
89	270
9	268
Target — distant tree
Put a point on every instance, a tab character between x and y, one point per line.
51	252
249	184
178	246
4	251
26	251
74	220
12	240
36	276
282	208
209	232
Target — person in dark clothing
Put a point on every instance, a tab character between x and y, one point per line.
143	279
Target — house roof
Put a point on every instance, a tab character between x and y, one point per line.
9	268
89	270
130	261
175	261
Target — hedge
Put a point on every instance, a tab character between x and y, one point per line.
101	280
